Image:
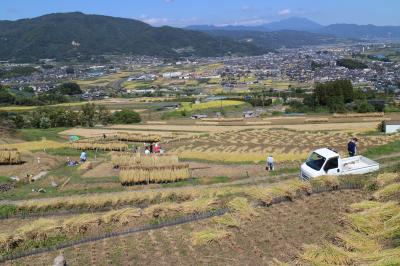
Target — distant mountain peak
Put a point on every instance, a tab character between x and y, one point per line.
355	31
293	23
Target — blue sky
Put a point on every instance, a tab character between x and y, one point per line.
219	12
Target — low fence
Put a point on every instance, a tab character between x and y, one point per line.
177	221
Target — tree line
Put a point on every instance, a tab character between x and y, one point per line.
18	71
89	115
351	63
26	96
338	96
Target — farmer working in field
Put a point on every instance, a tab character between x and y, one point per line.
157	148
83	157
352	147
270	163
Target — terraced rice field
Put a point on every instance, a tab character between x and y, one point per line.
255	145
92	133
35	145
295	124
276	232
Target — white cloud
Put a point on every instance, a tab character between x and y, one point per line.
156	21
245	22
284	12
168	1
161	21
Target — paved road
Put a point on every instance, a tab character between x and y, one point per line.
117	85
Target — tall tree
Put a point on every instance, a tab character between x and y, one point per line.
103	115
88	114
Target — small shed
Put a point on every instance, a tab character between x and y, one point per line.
390	127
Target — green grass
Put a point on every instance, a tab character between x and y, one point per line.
184	183
218	179
283	171
137	85
7	210
35	134
393	147
24	190
394	167
198	181
4	179
75	153
219	162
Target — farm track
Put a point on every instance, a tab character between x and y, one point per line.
179	221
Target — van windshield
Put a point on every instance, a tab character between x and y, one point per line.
316	161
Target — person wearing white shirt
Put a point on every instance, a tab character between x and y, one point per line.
270	163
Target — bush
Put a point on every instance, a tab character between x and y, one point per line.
276	113
363	107
6	97
69	88
297	107
126	116
44	122
335	104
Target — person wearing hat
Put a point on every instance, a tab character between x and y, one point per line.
352	147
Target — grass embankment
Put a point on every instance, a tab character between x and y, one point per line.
71	176
162	205
38	139
263	193
198	181
36	145
73	153
35	134
383	150
372	236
